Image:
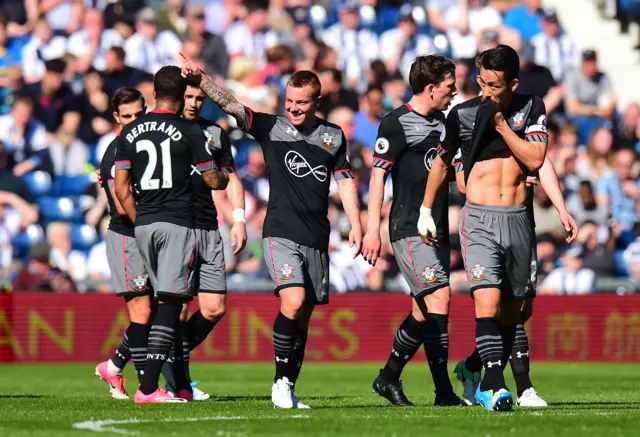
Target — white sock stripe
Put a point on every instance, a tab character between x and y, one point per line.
161	328
406	337
489	337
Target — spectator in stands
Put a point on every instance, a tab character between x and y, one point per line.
377	74
97	117
251	36
572	278
525	18
326	58
173	17
16	214
62	255
547	218
40	275
254	176
24	137
619	192
148	49
345	118
9	182
145	86
334	94
243	85
628	128
598	257
467	91
97	264
69	154
584	208
10	54
401	45
546	247
116	73
15	84
466	22
91	43
589	95
64	16
250	260
211	48
369	117
554	49
538	80
593	161
56	105
301	38
281	65
43	46
437	11
356	47
221	14
118	12
395	91
632	259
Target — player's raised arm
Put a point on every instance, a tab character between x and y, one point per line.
122	180
220	97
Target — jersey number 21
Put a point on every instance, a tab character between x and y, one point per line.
146	182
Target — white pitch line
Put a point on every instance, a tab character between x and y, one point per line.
107	425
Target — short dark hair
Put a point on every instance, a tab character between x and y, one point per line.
124	96
502	58
305	77
429	70
119	52
25	97
169	84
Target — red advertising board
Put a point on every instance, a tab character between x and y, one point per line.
37	327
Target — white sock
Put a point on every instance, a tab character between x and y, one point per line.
113	369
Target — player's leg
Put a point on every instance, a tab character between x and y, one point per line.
167	368
299	349
169	252
285	260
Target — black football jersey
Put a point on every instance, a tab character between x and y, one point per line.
117	223
160	149
218	147
299	164
406	146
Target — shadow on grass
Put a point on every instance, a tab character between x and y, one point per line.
3	396
605	405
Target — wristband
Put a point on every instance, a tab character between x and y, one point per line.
238	215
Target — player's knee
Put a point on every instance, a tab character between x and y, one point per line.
139	310
438	301
214	313
292	304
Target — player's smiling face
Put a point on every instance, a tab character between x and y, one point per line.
193	102
496	88
301	105
129	112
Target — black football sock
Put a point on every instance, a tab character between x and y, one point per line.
298	354
520	360
285	332
474	363
138	335
405	344
185	349
167	371
489	344
161	337
181	360
197	328
122	355
508	334
435	332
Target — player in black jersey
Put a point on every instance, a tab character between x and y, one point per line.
156	153
127	269
301	153
407	143
210	282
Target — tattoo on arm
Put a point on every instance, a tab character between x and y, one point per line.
223	99
216	180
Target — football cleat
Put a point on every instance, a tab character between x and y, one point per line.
281	393
297	403
530	398
391	391
500	400
199	395
157	397
115	381
470	381
448	400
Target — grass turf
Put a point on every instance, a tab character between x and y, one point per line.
47	400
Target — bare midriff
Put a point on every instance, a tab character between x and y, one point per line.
499	181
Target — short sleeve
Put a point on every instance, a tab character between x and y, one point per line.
227	163
123	154
203	157
458	162
601	187
572	85
536	129
258	124
605	85
450	139
342	168
390	143
106	165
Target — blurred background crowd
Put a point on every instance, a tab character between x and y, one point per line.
62	60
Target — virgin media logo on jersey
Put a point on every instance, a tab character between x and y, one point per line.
299	167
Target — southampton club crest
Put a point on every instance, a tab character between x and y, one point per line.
140	283
518	119
287	272
327	140
477	272
429	274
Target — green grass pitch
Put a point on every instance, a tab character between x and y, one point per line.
54	400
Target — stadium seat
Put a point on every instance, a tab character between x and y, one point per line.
59	209
23	241
39	183
83	237
71	185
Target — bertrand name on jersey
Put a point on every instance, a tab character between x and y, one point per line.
149	126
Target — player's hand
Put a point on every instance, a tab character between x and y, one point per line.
426	226
355	238
532	180
189	67
371	247
570	226
99	177
498	119
238	236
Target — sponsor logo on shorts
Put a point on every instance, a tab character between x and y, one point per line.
477	272
327	140
140	282
518	119
429	274
287	272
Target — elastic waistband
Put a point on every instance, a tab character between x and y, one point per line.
519	209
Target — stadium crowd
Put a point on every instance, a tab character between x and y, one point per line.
62	60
